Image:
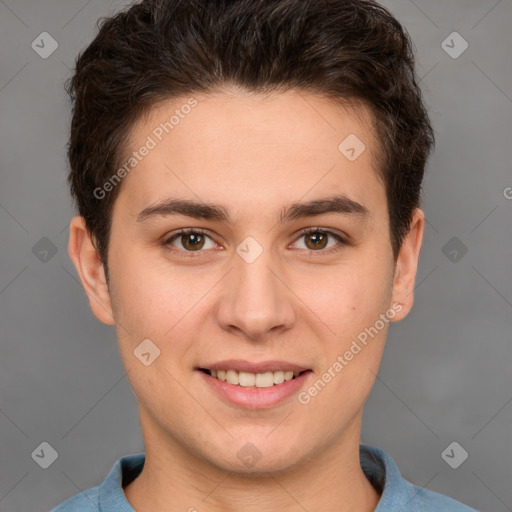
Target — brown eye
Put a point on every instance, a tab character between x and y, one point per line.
192	240
317	240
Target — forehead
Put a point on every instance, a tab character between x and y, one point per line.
231	148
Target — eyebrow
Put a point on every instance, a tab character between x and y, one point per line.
340	204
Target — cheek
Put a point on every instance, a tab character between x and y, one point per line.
153	304
347	299
150	297
351	357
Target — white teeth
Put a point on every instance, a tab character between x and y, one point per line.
264	380
259	380
278	377
246	379
232	377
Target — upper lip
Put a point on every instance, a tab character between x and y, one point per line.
241	365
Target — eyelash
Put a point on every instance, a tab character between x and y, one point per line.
307	231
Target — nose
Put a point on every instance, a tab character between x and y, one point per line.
256	300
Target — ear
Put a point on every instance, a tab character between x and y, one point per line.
90	269
407	265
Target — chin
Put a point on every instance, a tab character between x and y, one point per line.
258	456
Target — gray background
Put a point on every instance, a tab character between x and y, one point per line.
446	373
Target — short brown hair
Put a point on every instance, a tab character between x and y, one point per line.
155	50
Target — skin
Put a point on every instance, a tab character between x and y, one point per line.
297	303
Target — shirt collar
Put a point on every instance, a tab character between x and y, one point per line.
124	471
381	470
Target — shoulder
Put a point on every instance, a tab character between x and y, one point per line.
87	501
425	500
399	494
108	496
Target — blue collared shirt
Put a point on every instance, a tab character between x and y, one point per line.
398	495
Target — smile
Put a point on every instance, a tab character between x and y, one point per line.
248	380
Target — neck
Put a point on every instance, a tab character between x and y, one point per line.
173	479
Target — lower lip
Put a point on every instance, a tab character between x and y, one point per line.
253	397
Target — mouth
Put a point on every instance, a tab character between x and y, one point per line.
254	385
253	380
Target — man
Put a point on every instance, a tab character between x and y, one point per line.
248	179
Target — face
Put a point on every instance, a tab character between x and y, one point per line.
286	269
